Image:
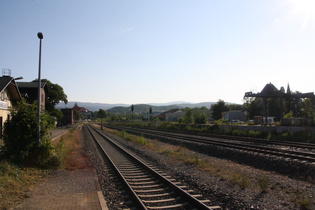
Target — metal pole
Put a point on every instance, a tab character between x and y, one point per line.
40	36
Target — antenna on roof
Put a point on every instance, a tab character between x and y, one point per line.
6	72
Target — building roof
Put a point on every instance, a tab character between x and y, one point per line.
30	84
10	84
270	91
4	82
80	109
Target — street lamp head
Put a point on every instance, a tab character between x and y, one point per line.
40	35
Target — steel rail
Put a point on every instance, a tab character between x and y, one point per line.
135	198
190	200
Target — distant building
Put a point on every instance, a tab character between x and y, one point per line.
9	96
171	115
240	115
85	113
270	91
29	91
67	117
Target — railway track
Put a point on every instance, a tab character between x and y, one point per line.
147	187
263	148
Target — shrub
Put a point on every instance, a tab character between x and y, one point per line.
20	137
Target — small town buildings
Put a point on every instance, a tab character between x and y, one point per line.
9	96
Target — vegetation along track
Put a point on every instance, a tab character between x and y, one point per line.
148	187
265	148
295	162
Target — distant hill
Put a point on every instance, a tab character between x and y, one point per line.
193	105
90	106
122	108
143	108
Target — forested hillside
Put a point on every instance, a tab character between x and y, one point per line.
141	108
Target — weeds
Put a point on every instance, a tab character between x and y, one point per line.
302	201
241	180
263	183
15	182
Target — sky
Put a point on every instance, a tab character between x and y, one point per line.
159	51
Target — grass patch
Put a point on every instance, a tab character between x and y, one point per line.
16	182
264	183
303	202
240	179
67	148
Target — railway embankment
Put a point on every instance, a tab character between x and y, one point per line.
232	184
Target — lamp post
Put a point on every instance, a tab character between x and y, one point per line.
40	36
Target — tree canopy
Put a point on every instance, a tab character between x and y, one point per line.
218	108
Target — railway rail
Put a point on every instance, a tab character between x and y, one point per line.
261	147
148	187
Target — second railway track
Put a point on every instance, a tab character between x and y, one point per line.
148	187
243	146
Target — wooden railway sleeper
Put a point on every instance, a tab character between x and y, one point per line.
161	201
145	183
176	206
137	176
151	191
147	186
138	179
156	195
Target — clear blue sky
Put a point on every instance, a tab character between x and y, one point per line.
145	51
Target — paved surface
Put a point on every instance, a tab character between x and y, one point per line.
58	132
66	189
89	200
78	189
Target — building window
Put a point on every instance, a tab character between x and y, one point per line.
2	96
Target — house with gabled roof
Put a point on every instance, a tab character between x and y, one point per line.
171	115
85	113
9	96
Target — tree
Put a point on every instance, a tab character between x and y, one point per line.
76	115
21	141
254	107
307	111
199	116
150	111
188	116
54	95
235	107
274	107
218	108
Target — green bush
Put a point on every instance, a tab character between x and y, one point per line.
20	138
